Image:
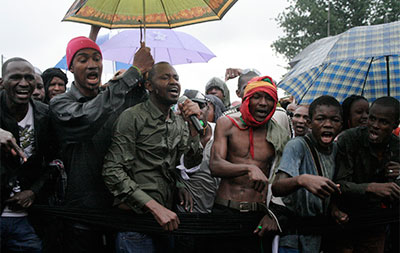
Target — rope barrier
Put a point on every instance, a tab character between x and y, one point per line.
239	224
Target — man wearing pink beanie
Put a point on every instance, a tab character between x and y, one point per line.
83	118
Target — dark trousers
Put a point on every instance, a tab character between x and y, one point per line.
240	244
367	240
84	238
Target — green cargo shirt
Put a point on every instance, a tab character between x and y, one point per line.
141	162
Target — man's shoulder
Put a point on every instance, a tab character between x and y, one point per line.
138	110
353	136
228	121
40	107
66	96
296	143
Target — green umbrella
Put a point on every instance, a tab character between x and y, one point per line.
158	13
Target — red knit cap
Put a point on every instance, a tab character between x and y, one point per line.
77	44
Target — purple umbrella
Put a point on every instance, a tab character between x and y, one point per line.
166	45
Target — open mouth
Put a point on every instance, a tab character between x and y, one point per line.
327	137
93	78
174	91
262	113
373	136
22	94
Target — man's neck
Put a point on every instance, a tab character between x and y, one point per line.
18	111
206	135
89	93
325	150
379	148
239	120
165	109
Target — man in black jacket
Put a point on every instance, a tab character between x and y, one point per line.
24	146
83	118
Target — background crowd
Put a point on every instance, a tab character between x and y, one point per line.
134	143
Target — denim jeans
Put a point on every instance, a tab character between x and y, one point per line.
129	242
136	242
18	235
287	250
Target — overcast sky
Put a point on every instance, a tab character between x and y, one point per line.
33	30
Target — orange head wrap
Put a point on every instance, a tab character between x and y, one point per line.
257	84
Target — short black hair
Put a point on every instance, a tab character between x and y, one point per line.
392	103
346	106
248	76
14	59
152	71
324	100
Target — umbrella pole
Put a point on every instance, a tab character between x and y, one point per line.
387	75
366	76
144	21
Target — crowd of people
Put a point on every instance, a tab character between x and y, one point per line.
137	145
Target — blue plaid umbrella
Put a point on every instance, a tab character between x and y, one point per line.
363	60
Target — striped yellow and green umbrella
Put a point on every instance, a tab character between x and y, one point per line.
158	13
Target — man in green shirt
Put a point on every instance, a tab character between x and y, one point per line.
148	140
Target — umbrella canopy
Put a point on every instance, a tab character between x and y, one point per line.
363	60
166	45
158	14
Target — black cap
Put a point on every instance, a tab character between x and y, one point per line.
195	96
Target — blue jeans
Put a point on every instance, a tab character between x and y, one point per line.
287	250
18	235
129	242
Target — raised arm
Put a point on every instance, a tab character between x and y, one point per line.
77	119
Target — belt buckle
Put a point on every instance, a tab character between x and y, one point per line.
244	207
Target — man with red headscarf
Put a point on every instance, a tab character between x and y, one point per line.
247	145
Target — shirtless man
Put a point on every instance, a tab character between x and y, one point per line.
244	149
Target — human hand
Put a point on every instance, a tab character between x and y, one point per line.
257	178
165	217
21	200
187	109
143	59
185	199
9	144
231	73
267	224
320	186
392	170
389	191
339	216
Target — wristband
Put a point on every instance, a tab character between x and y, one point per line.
138	70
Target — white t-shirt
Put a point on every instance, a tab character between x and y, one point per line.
27	143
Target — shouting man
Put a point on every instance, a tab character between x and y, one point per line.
244	150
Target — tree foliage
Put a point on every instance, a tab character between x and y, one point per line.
306	21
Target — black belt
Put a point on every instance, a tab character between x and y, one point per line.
242	206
